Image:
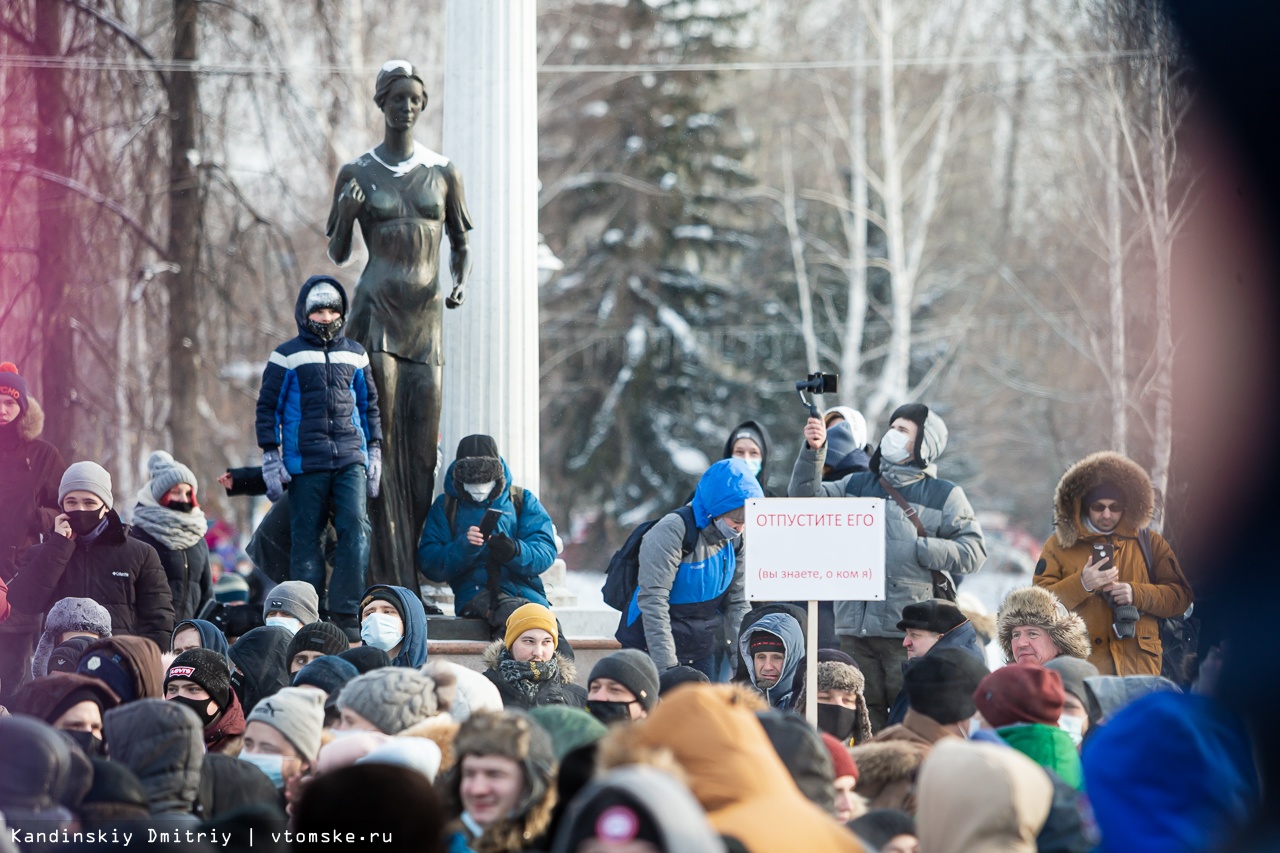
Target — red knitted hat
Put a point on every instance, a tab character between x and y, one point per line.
763	641
1020	693
841	761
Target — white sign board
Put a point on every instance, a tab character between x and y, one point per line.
815	549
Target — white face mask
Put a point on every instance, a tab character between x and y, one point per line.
1073	726
293	625
382	631
754	466
479	492
894	447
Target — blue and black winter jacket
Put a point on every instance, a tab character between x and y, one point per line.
318	402
445	555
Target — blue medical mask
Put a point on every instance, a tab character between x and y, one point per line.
753	465
382	631
726	531
288	622
272	765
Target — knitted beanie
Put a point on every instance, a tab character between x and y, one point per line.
1073	671
940	685
167	473
324	295
295	712
66	657
206	668
231	589
392	698
297	598
323	637
383	592
569	728
14	386
528	617
634	670
677	675
86	477
766	641
366	658
329	673
841	761
1020	693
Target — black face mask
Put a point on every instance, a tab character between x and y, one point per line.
200	706
837	721
92	746
609	712
181	506
84	521
325	331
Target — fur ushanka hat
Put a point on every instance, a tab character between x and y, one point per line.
1040	608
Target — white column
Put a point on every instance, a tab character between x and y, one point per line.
491	133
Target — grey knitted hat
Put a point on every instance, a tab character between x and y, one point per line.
634	670
297	598
295	712
393	698
87	477
167	473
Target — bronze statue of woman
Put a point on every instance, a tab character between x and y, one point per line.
404	196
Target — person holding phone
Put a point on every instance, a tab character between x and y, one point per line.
488	539
1095	563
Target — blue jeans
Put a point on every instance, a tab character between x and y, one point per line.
312	498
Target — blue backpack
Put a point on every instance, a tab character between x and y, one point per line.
623	575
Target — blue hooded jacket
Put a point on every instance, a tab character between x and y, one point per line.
413	648
318	402
445	556
1172	772
211	637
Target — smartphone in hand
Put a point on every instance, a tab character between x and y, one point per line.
489	522
1104	551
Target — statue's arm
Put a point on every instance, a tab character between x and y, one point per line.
347	200
457	222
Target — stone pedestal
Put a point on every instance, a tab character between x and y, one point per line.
491	132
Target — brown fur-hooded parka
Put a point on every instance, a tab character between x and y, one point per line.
1158	591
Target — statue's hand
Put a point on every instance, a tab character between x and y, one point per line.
455	299
351	200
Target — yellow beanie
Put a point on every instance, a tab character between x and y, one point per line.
530	616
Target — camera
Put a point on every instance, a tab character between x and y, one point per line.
816	383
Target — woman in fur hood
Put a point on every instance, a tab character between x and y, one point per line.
525	665
1104	502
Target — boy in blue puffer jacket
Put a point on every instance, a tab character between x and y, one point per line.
520	548
320	435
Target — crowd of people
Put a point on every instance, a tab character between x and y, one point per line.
292	705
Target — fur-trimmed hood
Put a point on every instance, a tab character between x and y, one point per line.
1037	606
1086	475
493	655
31	424
883	764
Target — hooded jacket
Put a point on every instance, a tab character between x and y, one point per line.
558	691
787	630
981	798
114	569
30	473
413	648
1159	591
261	667
954	543
680	822
680	600
1048	746
760	436
42	696
210	637
143	659
318	402
963	637
160	742
1172	772
737	776
445	555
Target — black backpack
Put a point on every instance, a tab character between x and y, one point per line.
1179	635
623	575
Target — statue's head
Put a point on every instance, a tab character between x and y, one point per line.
396	73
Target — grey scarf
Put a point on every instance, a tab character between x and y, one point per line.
175	530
